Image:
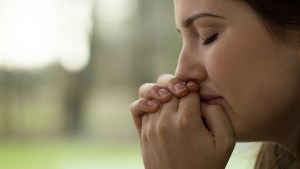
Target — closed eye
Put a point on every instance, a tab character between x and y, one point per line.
210	40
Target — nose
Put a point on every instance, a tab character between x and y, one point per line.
190	66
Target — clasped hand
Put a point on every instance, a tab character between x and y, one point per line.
178	131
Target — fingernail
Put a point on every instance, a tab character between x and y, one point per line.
192	86
179	88
152	103
163	92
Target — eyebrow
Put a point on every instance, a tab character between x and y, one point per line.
190	20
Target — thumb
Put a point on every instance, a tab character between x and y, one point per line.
219	126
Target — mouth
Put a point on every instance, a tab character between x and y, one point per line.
210	99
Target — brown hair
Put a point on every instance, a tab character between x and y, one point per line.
280	17
282	20
273	156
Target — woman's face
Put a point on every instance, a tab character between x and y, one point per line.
227	49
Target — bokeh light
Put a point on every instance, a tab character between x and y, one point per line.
28	32
69	70
116	11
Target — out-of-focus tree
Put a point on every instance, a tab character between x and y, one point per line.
5	102
79	84
157	44
122	57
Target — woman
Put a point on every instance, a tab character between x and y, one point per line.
237	79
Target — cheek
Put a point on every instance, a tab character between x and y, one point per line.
259	85
233	70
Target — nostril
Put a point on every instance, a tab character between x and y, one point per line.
194	71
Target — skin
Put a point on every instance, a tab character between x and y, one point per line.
245	65
255	76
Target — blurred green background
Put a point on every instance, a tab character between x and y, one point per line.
69	70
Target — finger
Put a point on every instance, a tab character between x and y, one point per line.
220	127
192	86
173	84
149	128
190	104
141	106
170	107
189	113
141	130
154	91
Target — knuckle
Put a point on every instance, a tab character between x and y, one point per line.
149	90
133	106
163	77
149	132
137	106
172	81
144	135
183	123
153	90
162	128
166	78
143	138
143	87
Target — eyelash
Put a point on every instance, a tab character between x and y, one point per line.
210	40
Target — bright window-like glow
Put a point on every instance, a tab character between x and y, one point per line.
116	11
36	33
74	42
113	16
27	33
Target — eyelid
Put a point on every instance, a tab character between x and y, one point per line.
207	34
210	40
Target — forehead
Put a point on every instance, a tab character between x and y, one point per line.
186	8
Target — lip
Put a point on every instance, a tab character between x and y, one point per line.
211	99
